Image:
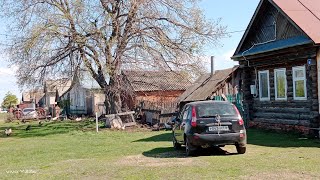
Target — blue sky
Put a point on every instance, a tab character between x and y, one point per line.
235	14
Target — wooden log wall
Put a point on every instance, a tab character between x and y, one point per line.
281	114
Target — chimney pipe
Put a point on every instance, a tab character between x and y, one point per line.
212	65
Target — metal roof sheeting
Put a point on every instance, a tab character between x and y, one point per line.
275	45
297	18
305	14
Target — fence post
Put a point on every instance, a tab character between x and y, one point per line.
97	127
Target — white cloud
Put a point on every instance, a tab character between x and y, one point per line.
221	60
6	71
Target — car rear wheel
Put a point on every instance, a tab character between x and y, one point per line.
176	145
190	150
241	149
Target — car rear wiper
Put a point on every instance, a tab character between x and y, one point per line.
211	116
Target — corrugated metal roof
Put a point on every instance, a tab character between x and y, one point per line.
156	80
305	14
205	85
275	45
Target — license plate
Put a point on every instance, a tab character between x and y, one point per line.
219	128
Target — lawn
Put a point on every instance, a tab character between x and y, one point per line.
72	150
3	117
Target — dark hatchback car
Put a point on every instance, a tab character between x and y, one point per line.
209	123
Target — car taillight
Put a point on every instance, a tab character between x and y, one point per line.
240	120
194	117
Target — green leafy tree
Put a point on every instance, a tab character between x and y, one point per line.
9	100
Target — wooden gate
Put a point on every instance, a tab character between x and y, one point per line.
237	100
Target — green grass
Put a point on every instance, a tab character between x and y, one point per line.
71	150
3	117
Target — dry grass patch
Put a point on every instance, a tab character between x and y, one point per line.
143	161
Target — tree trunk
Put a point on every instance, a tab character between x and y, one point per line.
113	95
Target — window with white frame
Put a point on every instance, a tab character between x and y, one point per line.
299	83
280	84
264	87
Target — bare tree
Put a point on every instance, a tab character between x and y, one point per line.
54	38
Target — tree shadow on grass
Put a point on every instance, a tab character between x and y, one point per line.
167	136
47	128
170	152
275	139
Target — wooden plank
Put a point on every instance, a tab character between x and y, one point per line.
318	82
152	110
282	110
119	114
132	118
168	115
295	116
305	123
110	115
130	124
126	113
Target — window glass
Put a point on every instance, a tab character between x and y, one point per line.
280	84
299	73
299	88
299	83
211	110
264	85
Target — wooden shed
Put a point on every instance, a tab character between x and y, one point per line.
279	57
207	86
84	97
158	90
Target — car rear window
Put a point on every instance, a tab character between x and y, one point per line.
213	109
28	110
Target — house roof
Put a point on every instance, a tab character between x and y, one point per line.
206	85
275	45
305	14
33	94
302	14
156	80
87	81
84	80
62	85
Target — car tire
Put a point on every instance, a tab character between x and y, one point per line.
190	150
241	149
176	145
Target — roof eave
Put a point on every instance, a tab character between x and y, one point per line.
235	57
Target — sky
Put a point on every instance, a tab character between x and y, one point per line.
235	14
